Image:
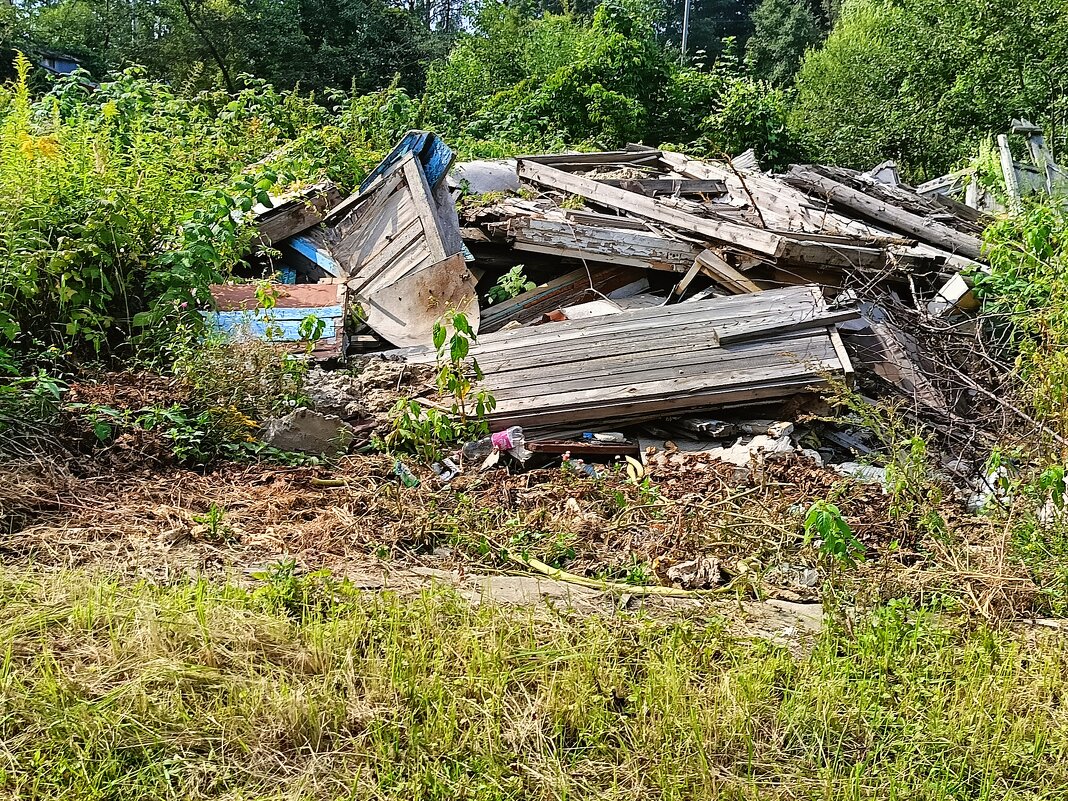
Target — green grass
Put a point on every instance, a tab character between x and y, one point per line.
307	689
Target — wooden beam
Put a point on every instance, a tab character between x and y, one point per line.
716	268
923	228
667	186
743	236
586	161
644	249
843	355
1008	171
680	288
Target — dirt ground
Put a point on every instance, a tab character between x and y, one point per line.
156	524
125	513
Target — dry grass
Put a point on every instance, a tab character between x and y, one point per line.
158	524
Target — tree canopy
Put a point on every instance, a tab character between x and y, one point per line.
924	81
919	81
782	31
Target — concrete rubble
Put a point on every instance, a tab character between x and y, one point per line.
306	431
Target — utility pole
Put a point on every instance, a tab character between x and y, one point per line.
685	30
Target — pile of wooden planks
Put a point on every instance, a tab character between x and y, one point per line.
661	283
394	247
640	364
742	229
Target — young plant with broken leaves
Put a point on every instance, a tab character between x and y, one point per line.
428	431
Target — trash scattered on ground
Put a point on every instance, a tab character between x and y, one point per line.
404	475
488	449
696	574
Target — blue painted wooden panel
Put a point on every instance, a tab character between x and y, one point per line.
435	157
309	250
254	322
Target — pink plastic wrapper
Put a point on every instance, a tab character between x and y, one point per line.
502	440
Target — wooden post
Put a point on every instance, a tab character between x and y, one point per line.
1008	171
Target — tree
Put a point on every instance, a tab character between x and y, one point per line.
8	41
319	44
782	31
925	81
711	22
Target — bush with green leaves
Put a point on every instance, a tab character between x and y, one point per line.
783	30
120	203
827	529
562	81
924	82
1025	304
511	284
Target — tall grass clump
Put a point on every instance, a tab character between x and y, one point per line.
125	199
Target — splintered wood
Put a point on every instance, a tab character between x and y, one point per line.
393	246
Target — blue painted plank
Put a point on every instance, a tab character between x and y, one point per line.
309	250
255	322
411	142
435	157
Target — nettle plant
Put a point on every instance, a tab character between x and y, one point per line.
426	431
512	284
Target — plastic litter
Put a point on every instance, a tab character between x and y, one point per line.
406	476
580	466
608	436
446	470
510	441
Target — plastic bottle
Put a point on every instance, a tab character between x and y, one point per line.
406	476
511	441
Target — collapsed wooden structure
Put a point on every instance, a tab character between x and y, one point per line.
640	364
663	284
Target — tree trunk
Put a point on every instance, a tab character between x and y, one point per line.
187	9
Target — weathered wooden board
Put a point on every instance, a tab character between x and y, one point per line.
644	249
780	207
641	364
654	187
581	162
294	213
800	304
717	268
429	149
395	250
310	254
744	236
926	229
405	312
567	290
240	316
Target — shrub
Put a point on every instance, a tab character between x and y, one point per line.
127	200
